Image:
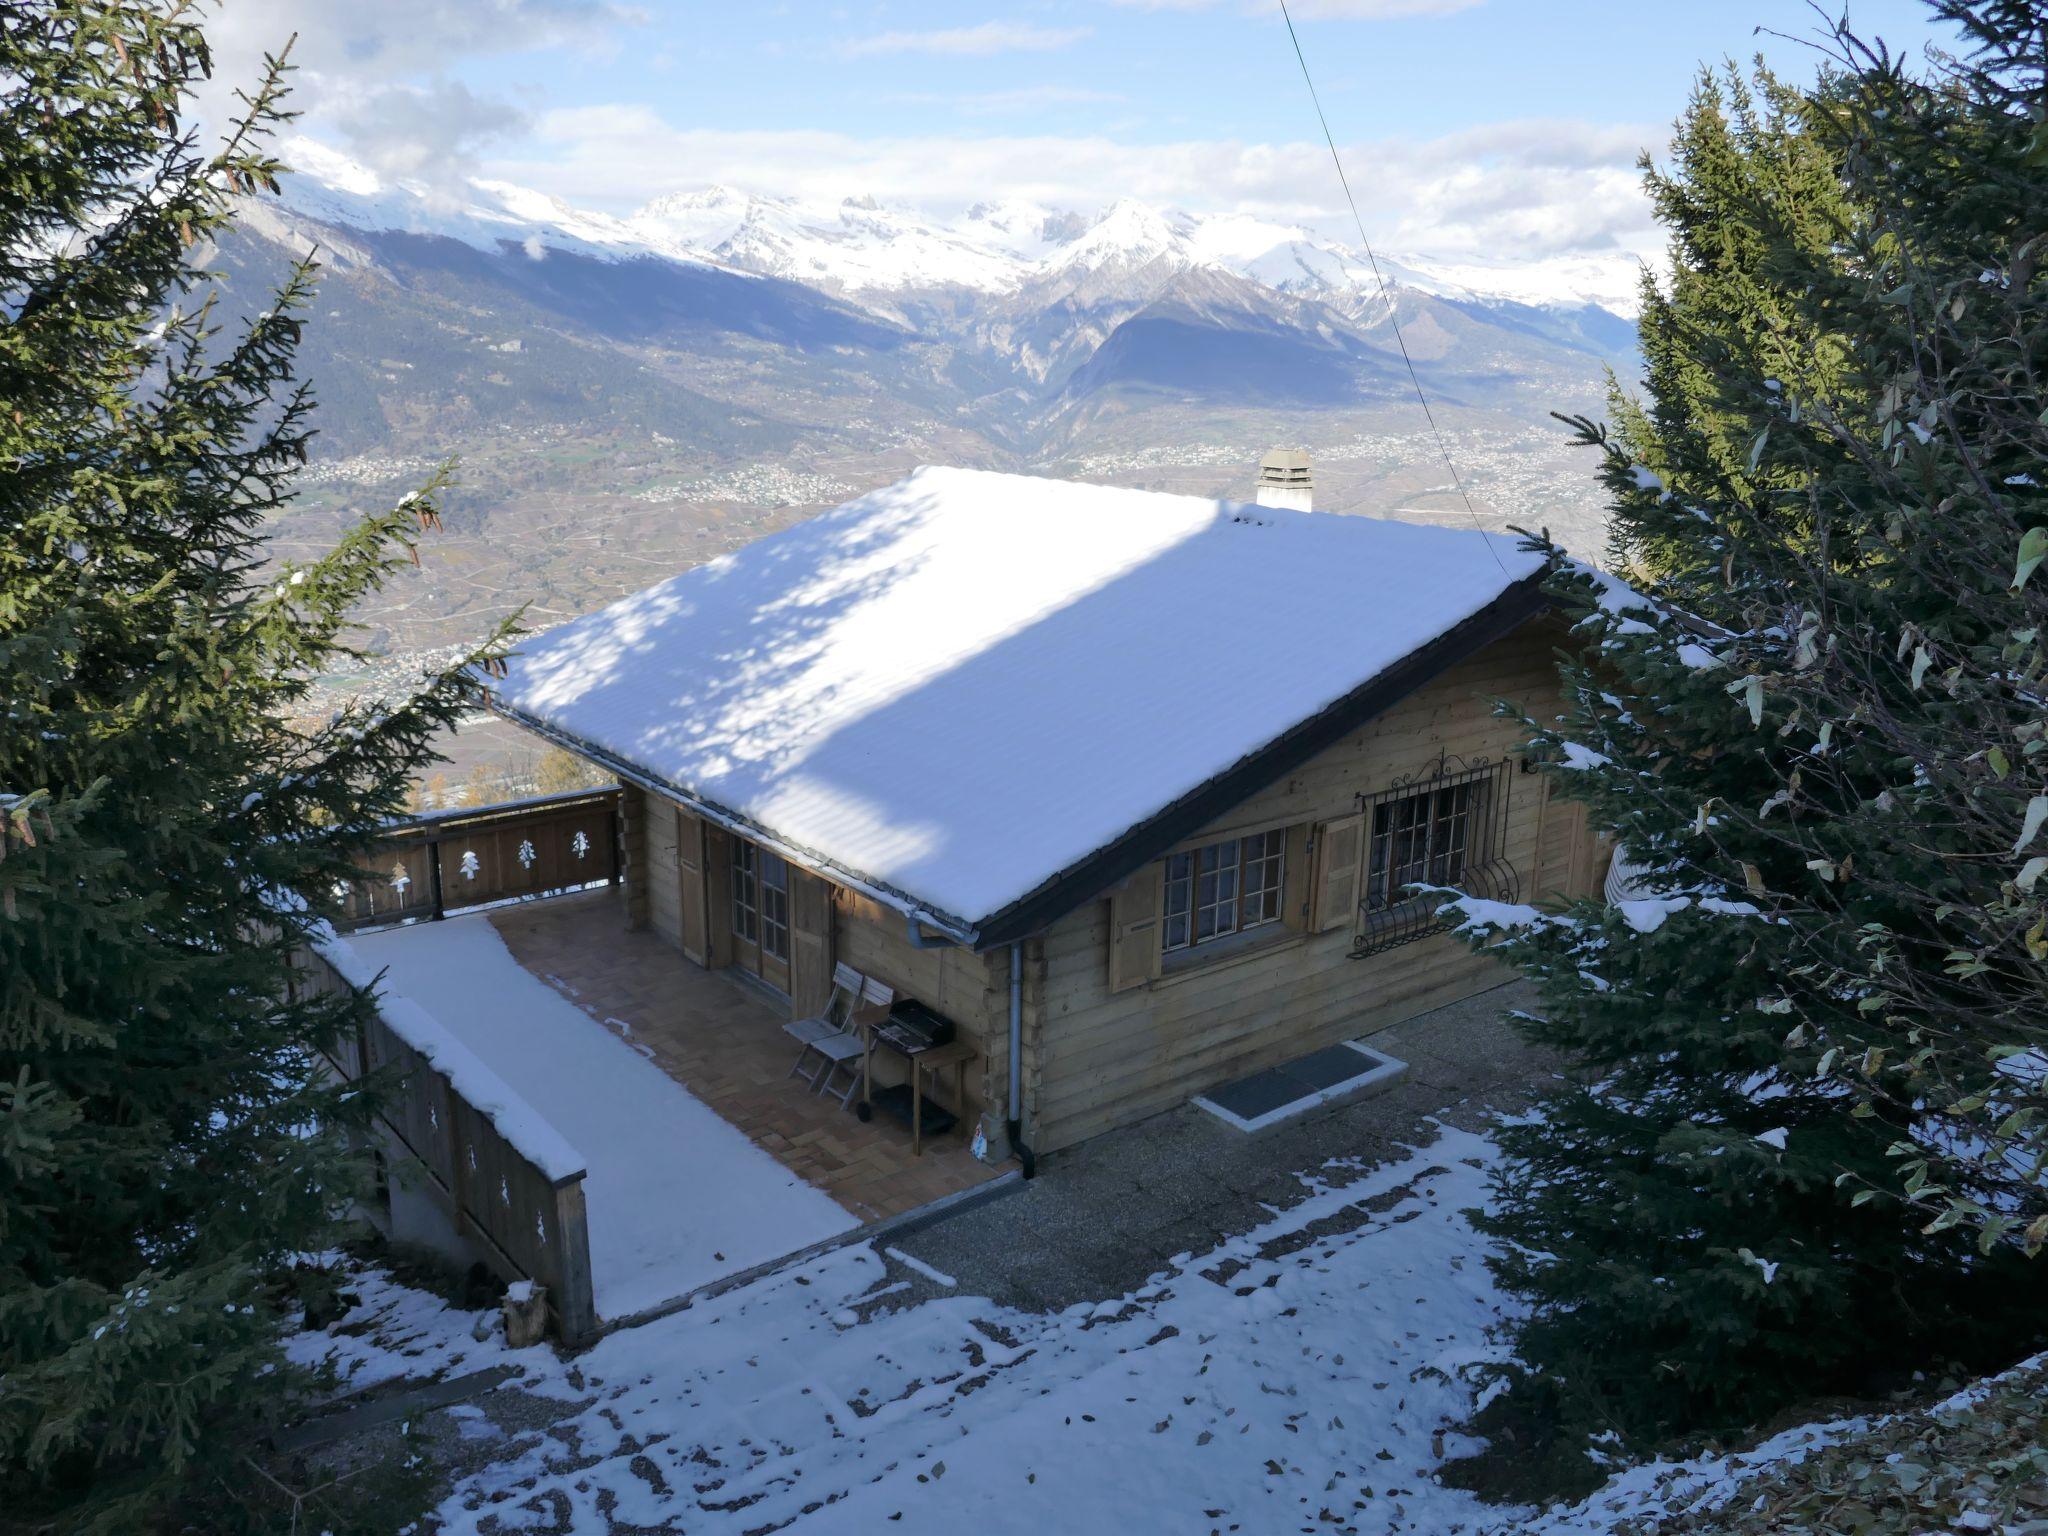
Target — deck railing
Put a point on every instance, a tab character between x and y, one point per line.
508	1179
449	860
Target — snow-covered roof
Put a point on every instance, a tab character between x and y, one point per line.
961	685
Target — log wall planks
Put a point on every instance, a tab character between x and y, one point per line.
1099	1059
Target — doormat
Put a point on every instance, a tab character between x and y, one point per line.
1337	1072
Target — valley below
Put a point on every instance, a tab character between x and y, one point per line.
622	403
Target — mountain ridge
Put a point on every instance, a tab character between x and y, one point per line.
861	247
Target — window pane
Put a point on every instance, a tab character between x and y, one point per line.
1261	901
1179	896
1382	853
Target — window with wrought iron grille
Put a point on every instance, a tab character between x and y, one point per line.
1426	838
1221	889
1445	826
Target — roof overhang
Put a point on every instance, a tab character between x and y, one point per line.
920	914
1109	866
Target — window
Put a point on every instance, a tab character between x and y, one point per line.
760	899
774	906
746	892
1426	838
1220	889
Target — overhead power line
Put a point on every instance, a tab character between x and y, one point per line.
1415	379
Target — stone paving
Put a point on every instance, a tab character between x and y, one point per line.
723	1040
1098	1218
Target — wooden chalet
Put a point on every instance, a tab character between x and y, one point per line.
1132	790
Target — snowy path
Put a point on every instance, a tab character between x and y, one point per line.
1295	1379
676	1196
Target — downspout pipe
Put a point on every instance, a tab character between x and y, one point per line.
919	939
1015	1126
1014	1116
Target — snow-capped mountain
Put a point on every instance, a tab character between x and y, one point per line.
638	391
857	247
1017	324
881	256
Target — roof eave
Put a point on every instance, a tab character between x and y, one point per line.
1115	862
920	913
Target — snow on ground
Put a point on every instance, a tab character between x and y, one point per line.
398	1332
1657	1490
1301	1377
1298	1377
676	1196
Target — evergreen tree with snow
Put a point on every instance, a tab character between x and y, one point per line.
1807	1151
166	1143
1748	189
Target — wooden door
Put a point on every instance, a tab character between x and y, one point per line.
1569	861
810	933
692	888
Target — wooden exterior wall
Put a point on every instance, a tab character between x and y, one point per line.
680	880
1103	1051
972	990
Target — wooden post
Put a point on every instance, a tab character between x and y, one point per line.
576	1299
614	842
434	873
633	813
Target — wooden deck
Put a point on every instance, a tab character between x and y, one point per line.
723	1041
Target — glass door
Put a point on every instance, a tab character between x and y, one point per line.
760	913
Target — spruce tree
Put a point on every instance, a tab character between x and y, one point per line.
166	1141
1748	187
1810	1047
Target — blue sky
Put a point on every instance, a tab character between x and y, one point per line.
1469	125
1163	72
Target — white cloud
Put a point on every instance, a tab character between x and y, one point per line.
988	38
426	132
1316	10
1509	190
372	72
1367	10
1026	98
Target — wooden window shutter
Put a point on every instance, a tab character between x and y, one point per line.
693	897
717	895
1296	891
1134	946
810	944
1340	849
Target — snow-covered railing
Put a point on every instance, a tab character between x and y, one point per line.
444	861
509	1179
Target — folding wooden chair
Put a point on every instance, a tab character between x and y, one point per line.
809	1033
846	1052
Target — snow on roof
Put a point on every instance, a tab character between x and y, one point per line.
962	684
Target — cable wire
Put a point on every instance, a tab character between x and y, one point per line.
1422	397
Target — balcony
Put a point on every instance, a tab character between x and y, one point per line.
703	1157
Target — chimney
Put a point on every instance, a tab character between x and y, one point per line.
1284	481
